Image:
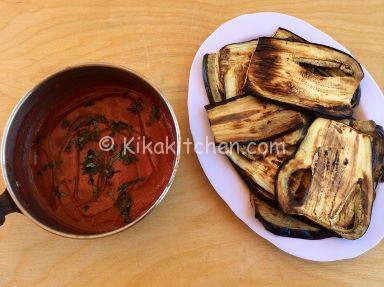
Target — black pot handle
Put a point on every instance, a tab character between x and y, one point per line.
6	206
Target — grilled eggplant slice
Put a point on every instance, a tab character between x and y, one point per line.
279	72
234	60
260	171
336	187
249	119
211	78
279	223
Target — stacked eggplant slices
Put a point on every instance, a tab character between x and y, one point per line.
283	91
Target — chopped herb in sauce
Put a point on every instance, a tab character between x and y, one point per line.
92	163
127	93
154	116
57	193
65	124
49	165
86	207
123	201
123	204
96	192
68	147
123	188
86	136
136	107
101	119
110	171
111	196
127	157
118	127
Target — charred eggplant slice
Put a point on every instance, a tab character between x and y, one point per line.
279	71
261	171
279	223
234	60
211	78
336	189
248	119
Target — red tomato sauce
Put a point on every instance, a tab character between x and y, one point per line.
92	190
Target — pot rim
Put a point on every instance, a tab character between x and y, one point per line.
30	92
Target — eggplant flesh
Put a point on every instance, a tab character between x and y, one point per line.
285	34
248	119
271	151
234	60
278	71
211	78
253	187
279	223
377	134
338	192
279	146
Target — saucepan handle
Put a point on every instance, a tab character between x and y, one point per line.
6	206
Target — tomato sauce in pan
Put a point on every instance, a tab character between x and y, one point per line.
95	190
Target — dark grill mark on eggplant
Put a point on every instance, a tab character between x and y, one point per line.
246	119
289	72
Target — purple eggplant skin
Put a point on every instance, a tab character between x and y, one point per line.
294	233
280	226
356	97
206	66
380	132
223	102
205	80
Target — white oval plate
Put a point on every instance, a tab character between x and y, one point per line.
218	168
